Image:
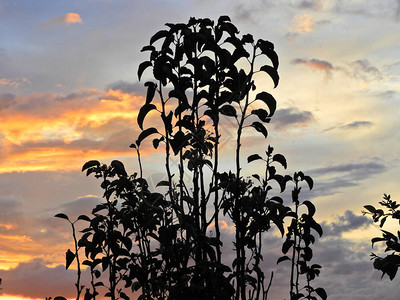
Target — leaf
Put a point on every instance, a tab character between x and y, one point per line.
272	73
69	257
156	142
253	157
383	222
159	35
283	258
228	110
370	208
309	181
144	110
377	239
178	142
89	164
321	292
260	128
151	90
267	48
262	114
269	100
286	246
163	183
124	296
223	19
119	167
62	216
83	217
145	133
310	207
148	48
317	228
143	66
280	159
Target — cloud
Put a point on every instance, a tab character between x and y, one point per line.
308	4
348	222
304	23
52	131
398	11
15	83
387	94
291	117
67	19
357	125
362	170
315	64
351	126
332	179
368	8
127	87
360	69
363	70
6	100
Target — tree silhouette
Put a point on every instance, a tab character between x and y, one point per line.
167	244
390	263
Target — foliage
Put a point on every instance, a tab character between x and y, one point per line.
390	263
168	244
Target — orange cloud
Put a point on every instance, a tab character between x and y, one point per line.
60	132
69	18
302	24
72	18
315	64
14	82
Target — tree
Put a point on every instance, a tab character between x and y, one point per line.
167	244
390	263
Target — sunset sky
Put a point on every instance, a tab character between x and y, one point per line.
69	93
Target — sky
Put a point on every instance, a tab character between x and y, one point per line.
69	93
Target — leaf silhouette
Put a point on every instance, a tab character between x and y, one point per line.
145	133
260	128
90	163
69	258
253	157
272	73
144	110
143	66
151	90
159	35
62	216
280	159
269	100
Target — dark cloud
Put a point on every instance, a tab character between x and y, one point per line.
387	94
6	100
362	69
361	169
78	95
331	180
291	117
309	4
35	280
315	64
357	125
350	126
136	88
398	11
368	8
348	222
81	206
